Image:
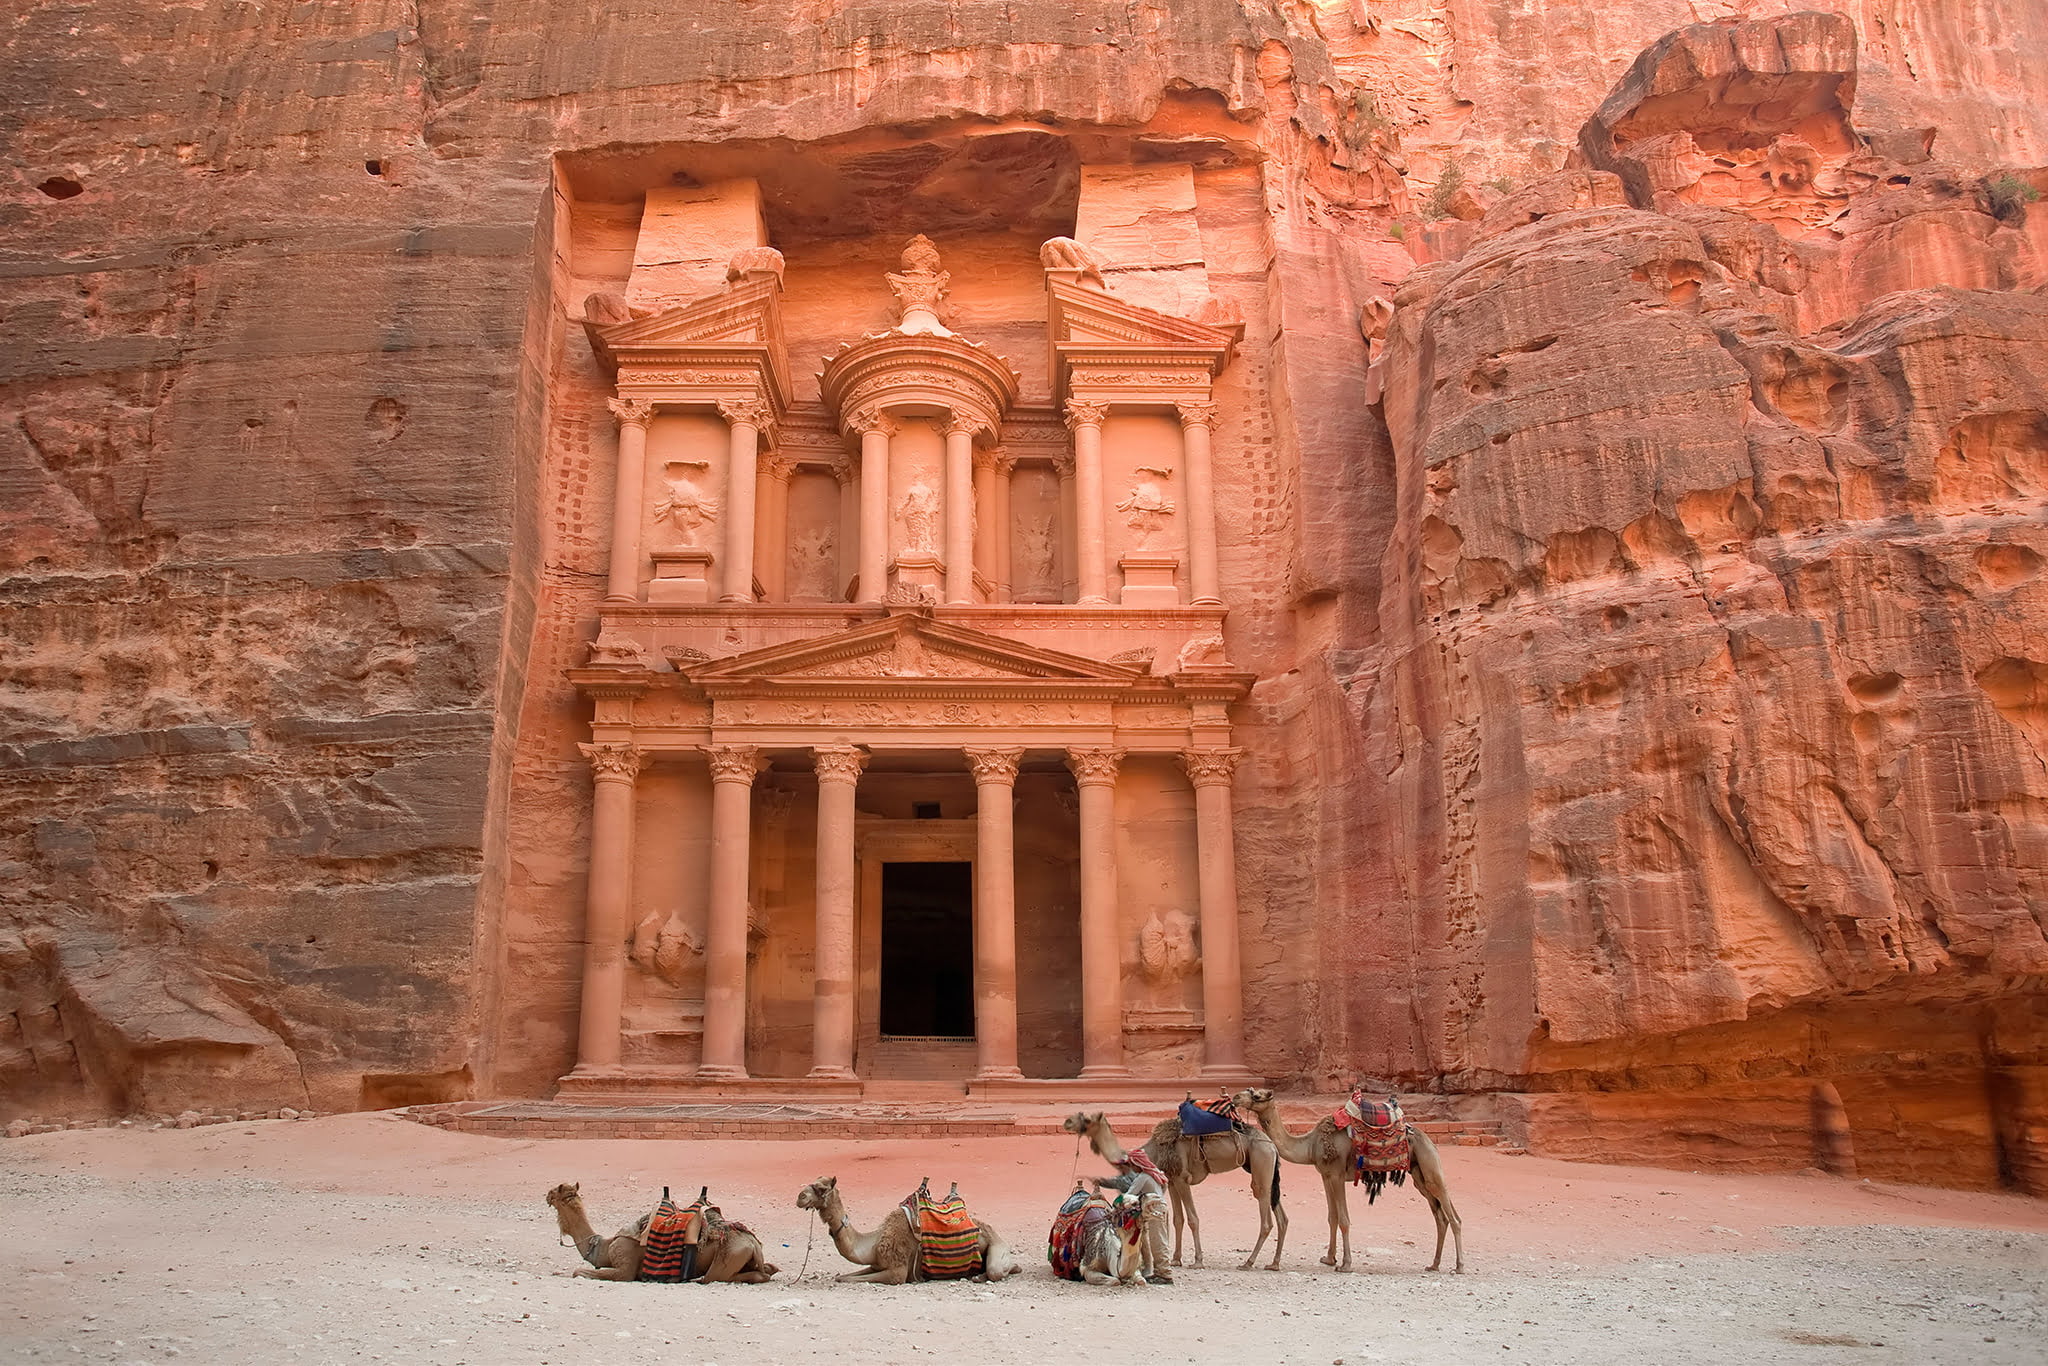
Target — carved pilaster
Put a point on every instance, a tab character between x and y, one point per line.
839	763
1092	766
1085	413
998	765
1196	414
1210	767
631	412
614	763
735	763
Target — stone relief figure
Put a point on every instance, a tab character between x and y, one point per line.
920	513
617	648
919	288
663	946
1036	571
754	261
1064	253
1203	652
1166	948
1148	506
684	505
812	556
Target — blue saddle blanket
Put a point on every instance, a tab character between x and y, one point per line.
1198	1121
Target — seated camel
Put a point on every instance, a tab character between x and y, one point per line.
715	1250
1099	1241
894	1253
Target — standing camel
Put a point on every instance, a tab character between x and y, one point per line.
1187	1161
890	1253
1329	1150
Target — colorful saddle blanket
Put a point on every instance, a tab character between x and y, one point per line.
948	1239
1082	1213
1201	1118
668	1229
1379	1142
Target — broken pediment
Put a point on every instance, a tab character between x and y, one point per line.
740	322
1104	346
909	647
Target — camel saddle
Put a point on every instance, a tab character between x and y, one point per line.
948	1239
666	1241
1379	1142
1082	1213
1205	1118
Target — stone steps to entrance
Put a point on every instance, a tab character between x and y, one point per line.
906	1111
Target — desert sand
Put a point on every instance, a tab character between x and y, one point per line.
364	1238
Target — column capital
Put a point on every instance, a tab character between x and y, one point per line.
1063	466
1196	413
614	763
962	424
839	763
780	468
1094	765
992	458
996	765
744	412
1085	413
1210	767
866	420
735	763
841	469
631	412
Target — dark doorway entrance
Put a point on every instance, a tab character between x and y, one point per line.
928	950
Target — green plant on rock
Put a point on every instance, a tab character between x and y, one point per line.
1448	184
2009	195
1397	231
1500	182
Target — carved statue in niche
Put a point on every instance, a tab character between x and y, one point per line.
920	287
684	505
1038	545
663	946
1064	253
1166	948
812	556
1147	507
920	513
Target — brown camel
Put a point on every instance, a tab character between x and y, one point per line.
1187	1162
1112	1252
1328	1149
890	1253
726	1253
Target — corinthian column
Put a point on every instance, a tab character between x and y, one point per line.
622	584
960	509
1216	854
1195	421
1085	419
985	522
1102	974
839	769
747	417
875	431
733	768
771	536
995	915
1004	527
609	902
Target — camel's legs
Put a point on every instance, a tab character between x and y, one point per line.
1272	1216
881	1275
1184	1204
1446	1220
605	1273
1340	1219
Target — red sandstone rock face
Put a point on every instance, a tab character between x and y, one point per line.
1650	693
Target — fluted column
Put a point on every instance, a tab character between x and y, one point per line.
875	431
733	768
771	528
832	1015
747	417
1102	980
1216	862
960	509
985	523
609	902
995	915
622	584
1085	420
1195	421
1004	529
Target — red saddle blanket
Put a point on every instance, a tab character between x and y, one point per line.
1379	1135
1070	1228
949	1241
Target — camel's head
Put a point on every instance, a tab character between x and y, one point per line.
818	1193
566	1196
1252	1098
1081	1122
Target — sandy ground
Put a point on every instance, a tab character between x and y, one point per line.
368	1238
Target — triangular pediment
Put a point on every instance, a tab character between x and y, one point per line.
910	648
1081	316
747	311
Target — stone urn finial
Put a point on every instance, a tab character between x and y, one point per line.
920	257
919	288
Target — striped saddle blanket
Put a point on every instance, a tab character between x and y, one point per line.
948	1239
1083	1212
668	1233
1379	1142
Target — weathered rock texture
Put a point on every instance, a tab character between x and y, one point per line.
1651	650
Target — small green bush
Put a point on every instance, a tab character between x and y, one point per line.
1447	185
1397	231
2009	195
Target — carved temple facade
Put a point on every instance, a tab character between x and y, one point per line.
910	726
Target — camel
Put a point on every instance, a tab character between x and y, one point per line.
1111	1249
725	1253
1187	1161
1328	1149
890	1253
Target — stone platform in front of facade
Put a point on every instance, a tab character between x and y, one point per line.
662	1086
1450	1121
